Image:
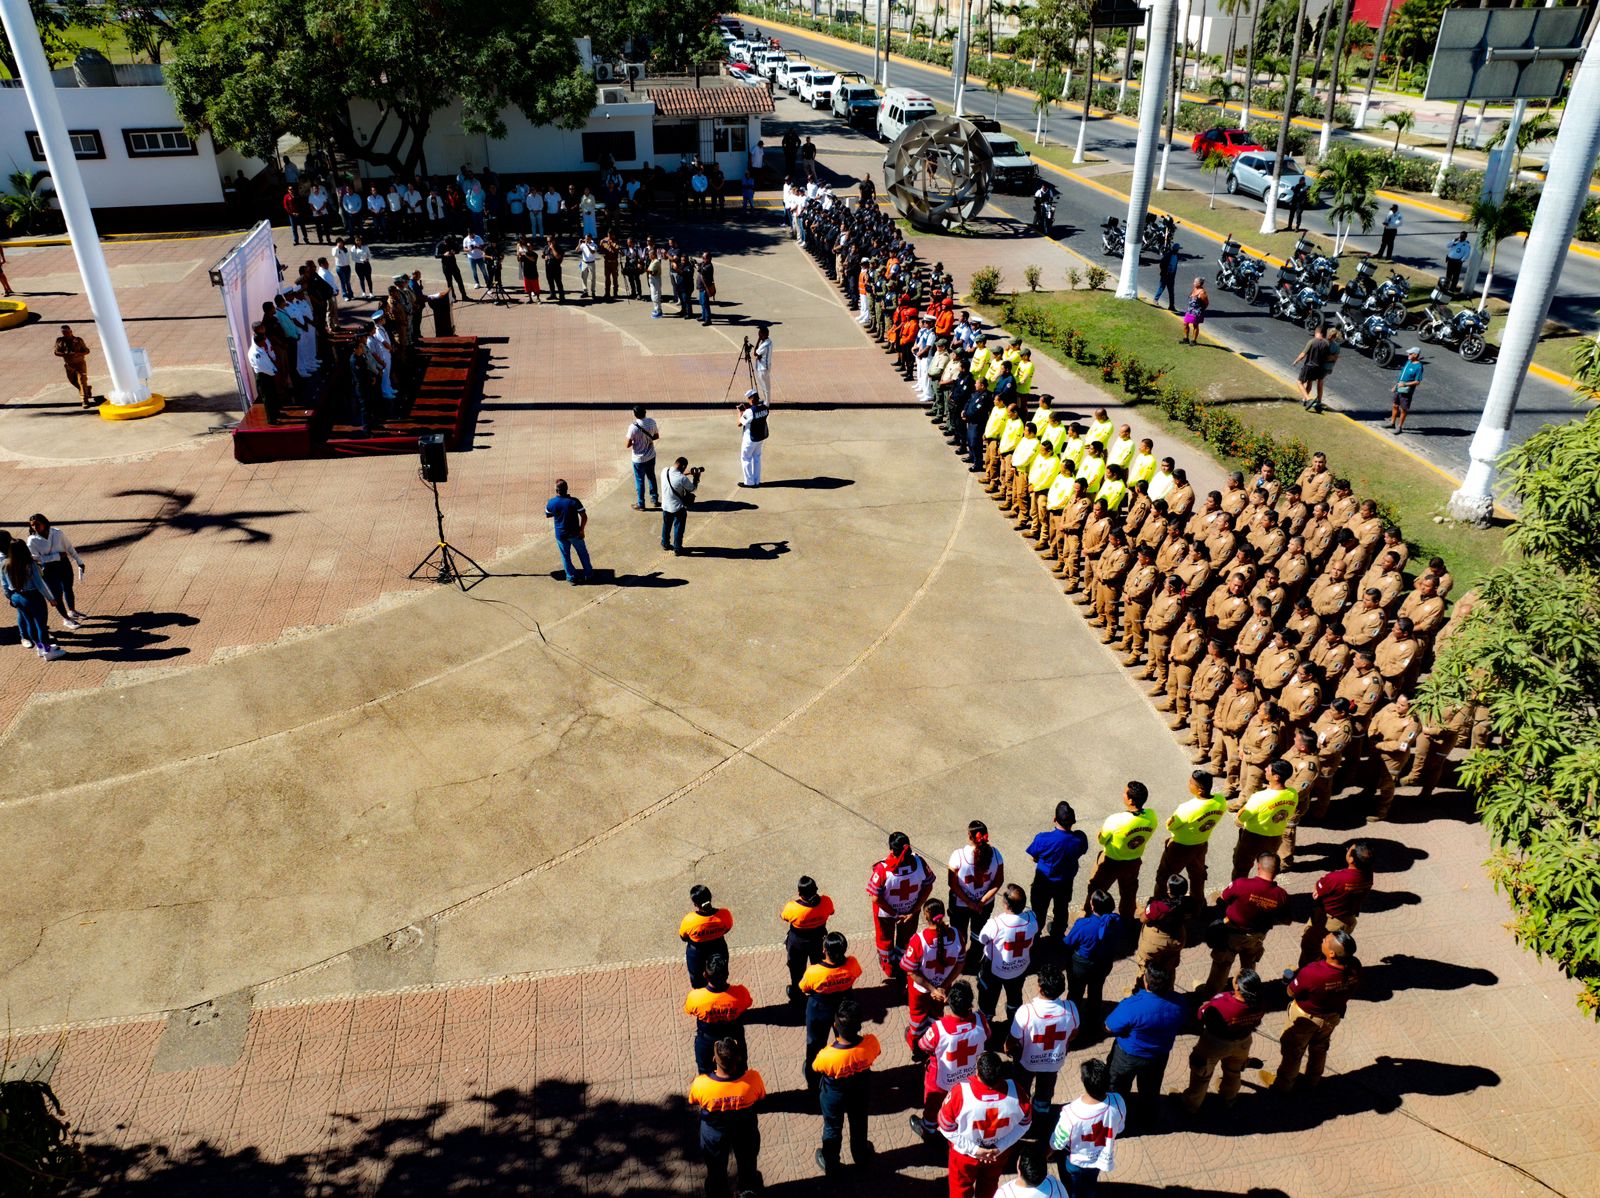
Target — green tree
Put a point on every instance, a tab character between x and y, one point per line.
1529	654
1346	182
1223	90
27	204
250	71
1414	30
55	22
1536	127
1215	165
1401	122
1495	223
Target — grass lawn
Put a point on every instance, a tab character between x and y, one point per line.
1261	400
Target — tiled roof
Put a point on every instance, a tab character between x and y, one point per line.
739	100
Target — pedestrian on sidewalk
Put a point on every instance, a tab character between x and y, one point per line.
53	550
753	414
1391	228
705	281
659	273
1167	269
74	355
844	1067
1194	315
678	484
5	283
1405	390
587	256
643	434
728	1097
552	270
30	597
571	521
1455	258
761	360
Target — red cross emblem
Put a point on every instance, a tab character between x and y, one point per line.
991	1123
1050	1037
903	889
1017	943
963	1052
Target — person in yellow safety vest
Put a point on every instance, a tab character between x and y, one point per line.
995	360
1042	471
1263	817
1092	468
1055	502
1100	428
1123	837
981	358
1163	481
1189	831
1120	451
1054	432
993	431
1072	448
1016	499
1043	414
1024	372
1143	467
1113	490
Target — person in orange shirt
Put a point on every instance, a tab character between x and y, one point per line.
703	932
718	1010
845	1067
807	915
730	1126
825	986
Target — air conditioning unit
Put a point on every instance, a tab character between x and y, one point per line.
634	71
604	73
613	95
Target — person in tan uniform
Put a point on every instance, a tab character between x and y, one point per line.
1221	542
1304	626
1269	539
1276	663
1258	746
1267	480
1424	607
1235	708
1318	536
1160	622
1334	731
1096	535
1395	542
1110	570
1155	531
1270	587
1435	743
1365	622
1346	555
1139	509
1362	685
1200	523
1188	648
1384	577
1392	735
1234	495
1195	571
1443	581
1342	504
1254	634
1293	510
1256	508
1329	594
1180	501
1211	677
1302	758
1398	658
1301	696
1173	547
1066	535
1315	481
1137	591
1294	567
1368	527
74	355
1332	656
1242	562
1228	609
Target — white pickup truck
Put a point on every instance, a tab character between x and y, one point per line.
817	90
792	74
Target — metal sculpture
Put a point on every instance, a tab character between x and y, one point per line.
937	172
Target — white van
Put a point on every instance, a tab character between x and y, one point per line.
901	107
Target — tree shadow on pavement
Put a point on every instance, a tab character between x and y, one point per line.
175	515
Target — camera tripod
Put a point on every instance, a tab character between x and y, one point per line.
494	290
446	560
746	356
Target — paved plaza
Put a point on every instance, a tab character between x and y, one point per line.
324	881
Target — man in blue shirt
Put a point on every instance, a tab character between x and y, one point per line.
1405	389
1092	947
1056	854
1145	1025
570	522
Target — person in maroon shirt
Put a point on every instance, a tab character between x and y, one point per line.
295	209
1250	907
1318	995
1227	1025
1337	899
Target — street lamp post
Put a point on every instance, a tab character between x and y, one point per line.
128	395
1152	102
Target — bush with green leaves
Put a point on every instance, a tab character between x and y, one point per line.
1096	276
1589	220
1462	184
986	282
1031	276
1529	652
1075	280
1266	134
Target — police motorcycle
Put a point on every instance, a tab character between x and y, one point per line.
1044	207
1366	331
1159	232
1239	272
1387	298
1113	238
1295	300
1461	331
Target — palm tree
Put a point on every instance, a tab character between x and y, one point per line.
1536	127
1274	65
1223	90
1401	122
1232	8
1215	164
1041	113
28	203
1199	44
997	86
1346	183
933	26
1495	223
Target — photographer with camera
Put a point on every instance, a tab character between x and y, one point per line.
753	414
678	483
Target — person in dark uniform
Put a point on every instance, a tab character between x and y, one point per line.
807	916
844	1069
1298	194
730	1124
704	933
825	986
718	1009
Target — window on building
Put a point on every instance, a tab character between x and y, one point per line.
619	145
729	135
157	143
678	137
85	144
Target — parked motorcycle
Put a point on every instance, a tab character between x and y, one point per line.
1387	299
1365	331
1296	302
1113	239
1159	232
1461	331
1239	272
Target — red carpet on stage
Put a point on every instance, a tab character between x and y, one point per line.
446	402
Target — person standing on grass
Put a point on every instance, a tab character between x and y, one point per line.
570	522
53	550
643	434
1194	315
1405	390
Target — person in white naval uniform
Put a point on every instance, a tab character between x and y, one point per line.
753	423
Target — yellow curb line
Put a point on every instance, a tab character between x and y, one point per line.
120	239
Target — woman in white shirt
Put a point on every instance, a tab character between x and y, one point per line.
361	260
341	266
1086	1134
52	549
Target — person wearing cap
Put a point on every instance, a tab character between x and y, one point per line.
922	347
753	434
1405	390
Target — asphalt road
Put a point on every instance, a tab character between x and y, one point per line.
1451	398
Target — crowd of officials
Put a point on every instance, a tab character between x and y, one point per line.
1279	623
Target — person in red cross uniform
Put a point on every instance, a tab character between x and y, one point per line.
1040	1034
976	874
1007	941
931	962
951	1045
898	886
983	1118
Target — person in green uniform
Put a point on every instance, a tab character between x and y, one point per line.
1123	837
1189	831
1263	817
